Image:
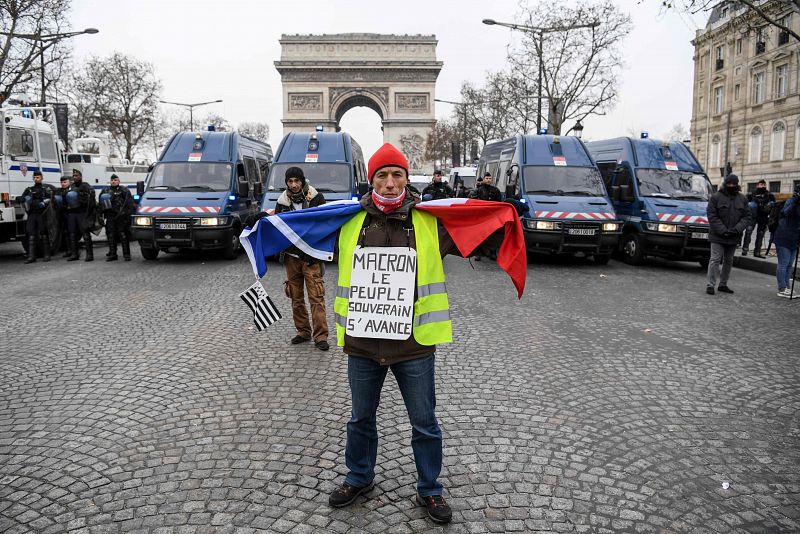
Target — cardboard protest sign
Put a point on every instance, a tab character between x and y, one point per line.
381	301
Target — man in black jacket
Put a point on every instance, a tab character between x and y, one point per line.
437	189
37	200
486	191
302	269
763	200
117	205
81	205
728	217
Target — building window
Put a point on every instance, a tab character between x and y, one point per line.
739	46
797	140
720	56
761	41
783	35
754	155
714	156
736	91
781	81
700	104
795	185
775	187
778	142
758	87
719	99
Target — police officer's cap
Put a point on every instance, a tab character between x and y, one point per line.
37	173
437	171
114	177
76	171
66	177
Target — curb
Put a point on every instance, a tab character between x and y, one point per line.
756	264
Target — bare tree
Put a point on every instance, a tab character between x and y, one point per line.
255	130
749	14
22	24
488	113
580	65
118	94
220	123
438	145
677	133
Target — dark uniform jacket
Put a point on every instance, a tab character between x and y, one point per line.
438	190
728	217
122	206
86	199
39	193
487	192
762	198
388	230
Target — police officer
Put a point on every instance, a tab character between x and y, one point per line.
80	214
116	202
61	209
437	189
37	199
486	191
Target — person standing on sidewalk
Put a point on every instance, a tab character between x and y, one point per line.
763	200
302	269
786	240
37	200
728	216
81	205
117	205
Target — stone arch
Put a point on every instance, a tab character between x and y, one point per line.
344	101
324	76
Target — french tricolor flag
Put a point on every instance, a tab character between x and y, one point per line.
314	231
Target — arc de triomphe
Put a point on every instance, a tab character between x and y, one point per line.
324	76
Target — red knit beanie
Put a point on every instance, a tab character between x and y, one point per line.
386	156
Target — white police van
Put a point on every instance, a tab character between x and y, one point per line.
28	142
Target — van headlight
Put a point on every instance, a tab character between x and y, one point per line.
663	227
142	221
542	225
610	227
213	221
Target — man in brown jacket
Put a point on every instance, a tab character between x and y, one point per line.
302	269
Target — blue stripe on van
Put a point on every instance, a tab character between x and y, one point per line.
32	168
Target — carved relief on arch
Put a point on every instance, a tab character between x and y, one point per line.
305	101
412	102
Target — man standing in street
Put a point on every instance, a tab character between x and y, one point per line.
80	216
61	202
787	239
764	201
728	216
116	202
37	200
302	269
486	191
437	189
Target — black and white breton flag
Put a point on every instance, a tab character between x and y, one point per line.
264	311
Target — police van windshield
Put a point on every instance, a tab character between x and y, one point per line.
680	185
552	180
325	177
191	176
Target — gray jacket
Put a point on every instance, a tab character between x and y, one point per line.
728	217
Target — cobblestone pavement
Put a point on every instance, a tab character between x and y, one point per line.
609	399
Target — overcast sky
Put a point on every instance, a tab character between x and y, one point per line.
207	50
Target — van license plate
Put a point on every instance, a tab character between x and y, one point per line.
172	226
581	231
699	235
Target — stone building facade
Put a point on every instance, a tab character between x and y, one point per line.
746	108
324	76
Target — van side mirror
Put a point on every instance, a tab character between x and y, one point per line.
615	192
27	143
363	187
151	167
258	189
624	193
242	188
140	188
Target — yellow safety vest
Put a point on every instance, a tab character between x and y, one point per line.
432	325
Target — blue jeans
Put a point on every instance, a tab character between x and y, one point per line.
785	266
416	381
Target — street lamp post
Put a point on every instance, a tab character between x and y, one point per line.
464	131
538	33
50	38
191	109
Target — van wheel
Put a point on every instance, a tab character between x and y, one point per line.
632	250
602	259
231	252
149	254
